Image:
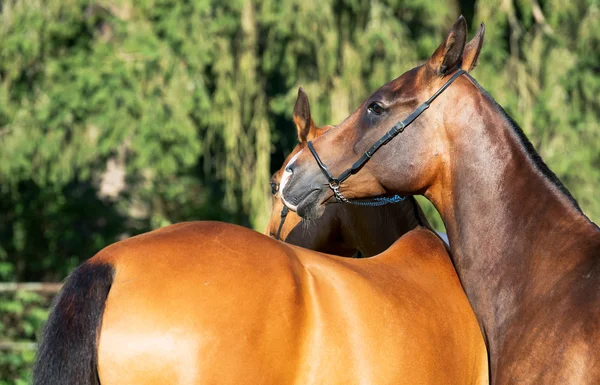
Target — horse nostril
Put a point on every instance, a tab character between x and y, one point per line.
289	169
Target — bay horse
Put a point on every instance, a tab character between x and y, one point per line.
527	256
210	302
344	229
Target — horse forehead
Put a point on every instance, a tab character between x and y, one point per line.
408	79
388	92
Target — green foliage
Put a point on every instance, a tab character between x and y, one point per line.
117	117
22	314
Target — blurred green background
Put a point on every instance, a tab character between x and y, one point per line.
121	116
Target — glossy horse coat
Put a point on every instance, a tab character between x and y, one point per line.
247	309
207	302
529	259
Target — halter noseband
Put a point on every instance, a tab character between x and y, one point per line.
335	183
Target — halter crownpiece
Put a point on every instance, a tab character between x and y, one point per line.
335	183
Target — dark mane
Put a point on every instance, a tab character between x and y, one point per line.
529	149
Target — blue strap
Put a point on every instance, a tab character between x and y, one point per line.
377	201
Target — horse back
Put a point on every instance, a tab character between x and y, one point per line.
209	302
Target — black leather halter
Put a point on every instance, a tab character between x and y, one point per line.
334	183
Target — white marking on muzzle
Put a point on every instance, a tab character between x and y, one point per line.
284	179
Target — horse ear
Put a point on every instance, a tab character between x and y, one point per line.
304	123
472	50
449	53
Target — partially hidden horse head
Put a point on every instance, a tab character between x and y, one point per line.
343	229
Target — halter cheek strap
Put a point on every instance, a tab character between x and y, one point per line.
334	183
284	213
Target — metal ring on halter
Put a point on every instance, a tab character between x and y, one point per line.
337	193
335	183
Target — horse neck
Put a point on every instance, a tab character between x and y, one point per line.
371	230
511	228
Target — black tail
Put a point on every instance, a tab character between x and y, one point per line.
67	353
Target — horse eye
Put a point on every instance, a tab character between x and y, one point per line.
274	188
376	108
